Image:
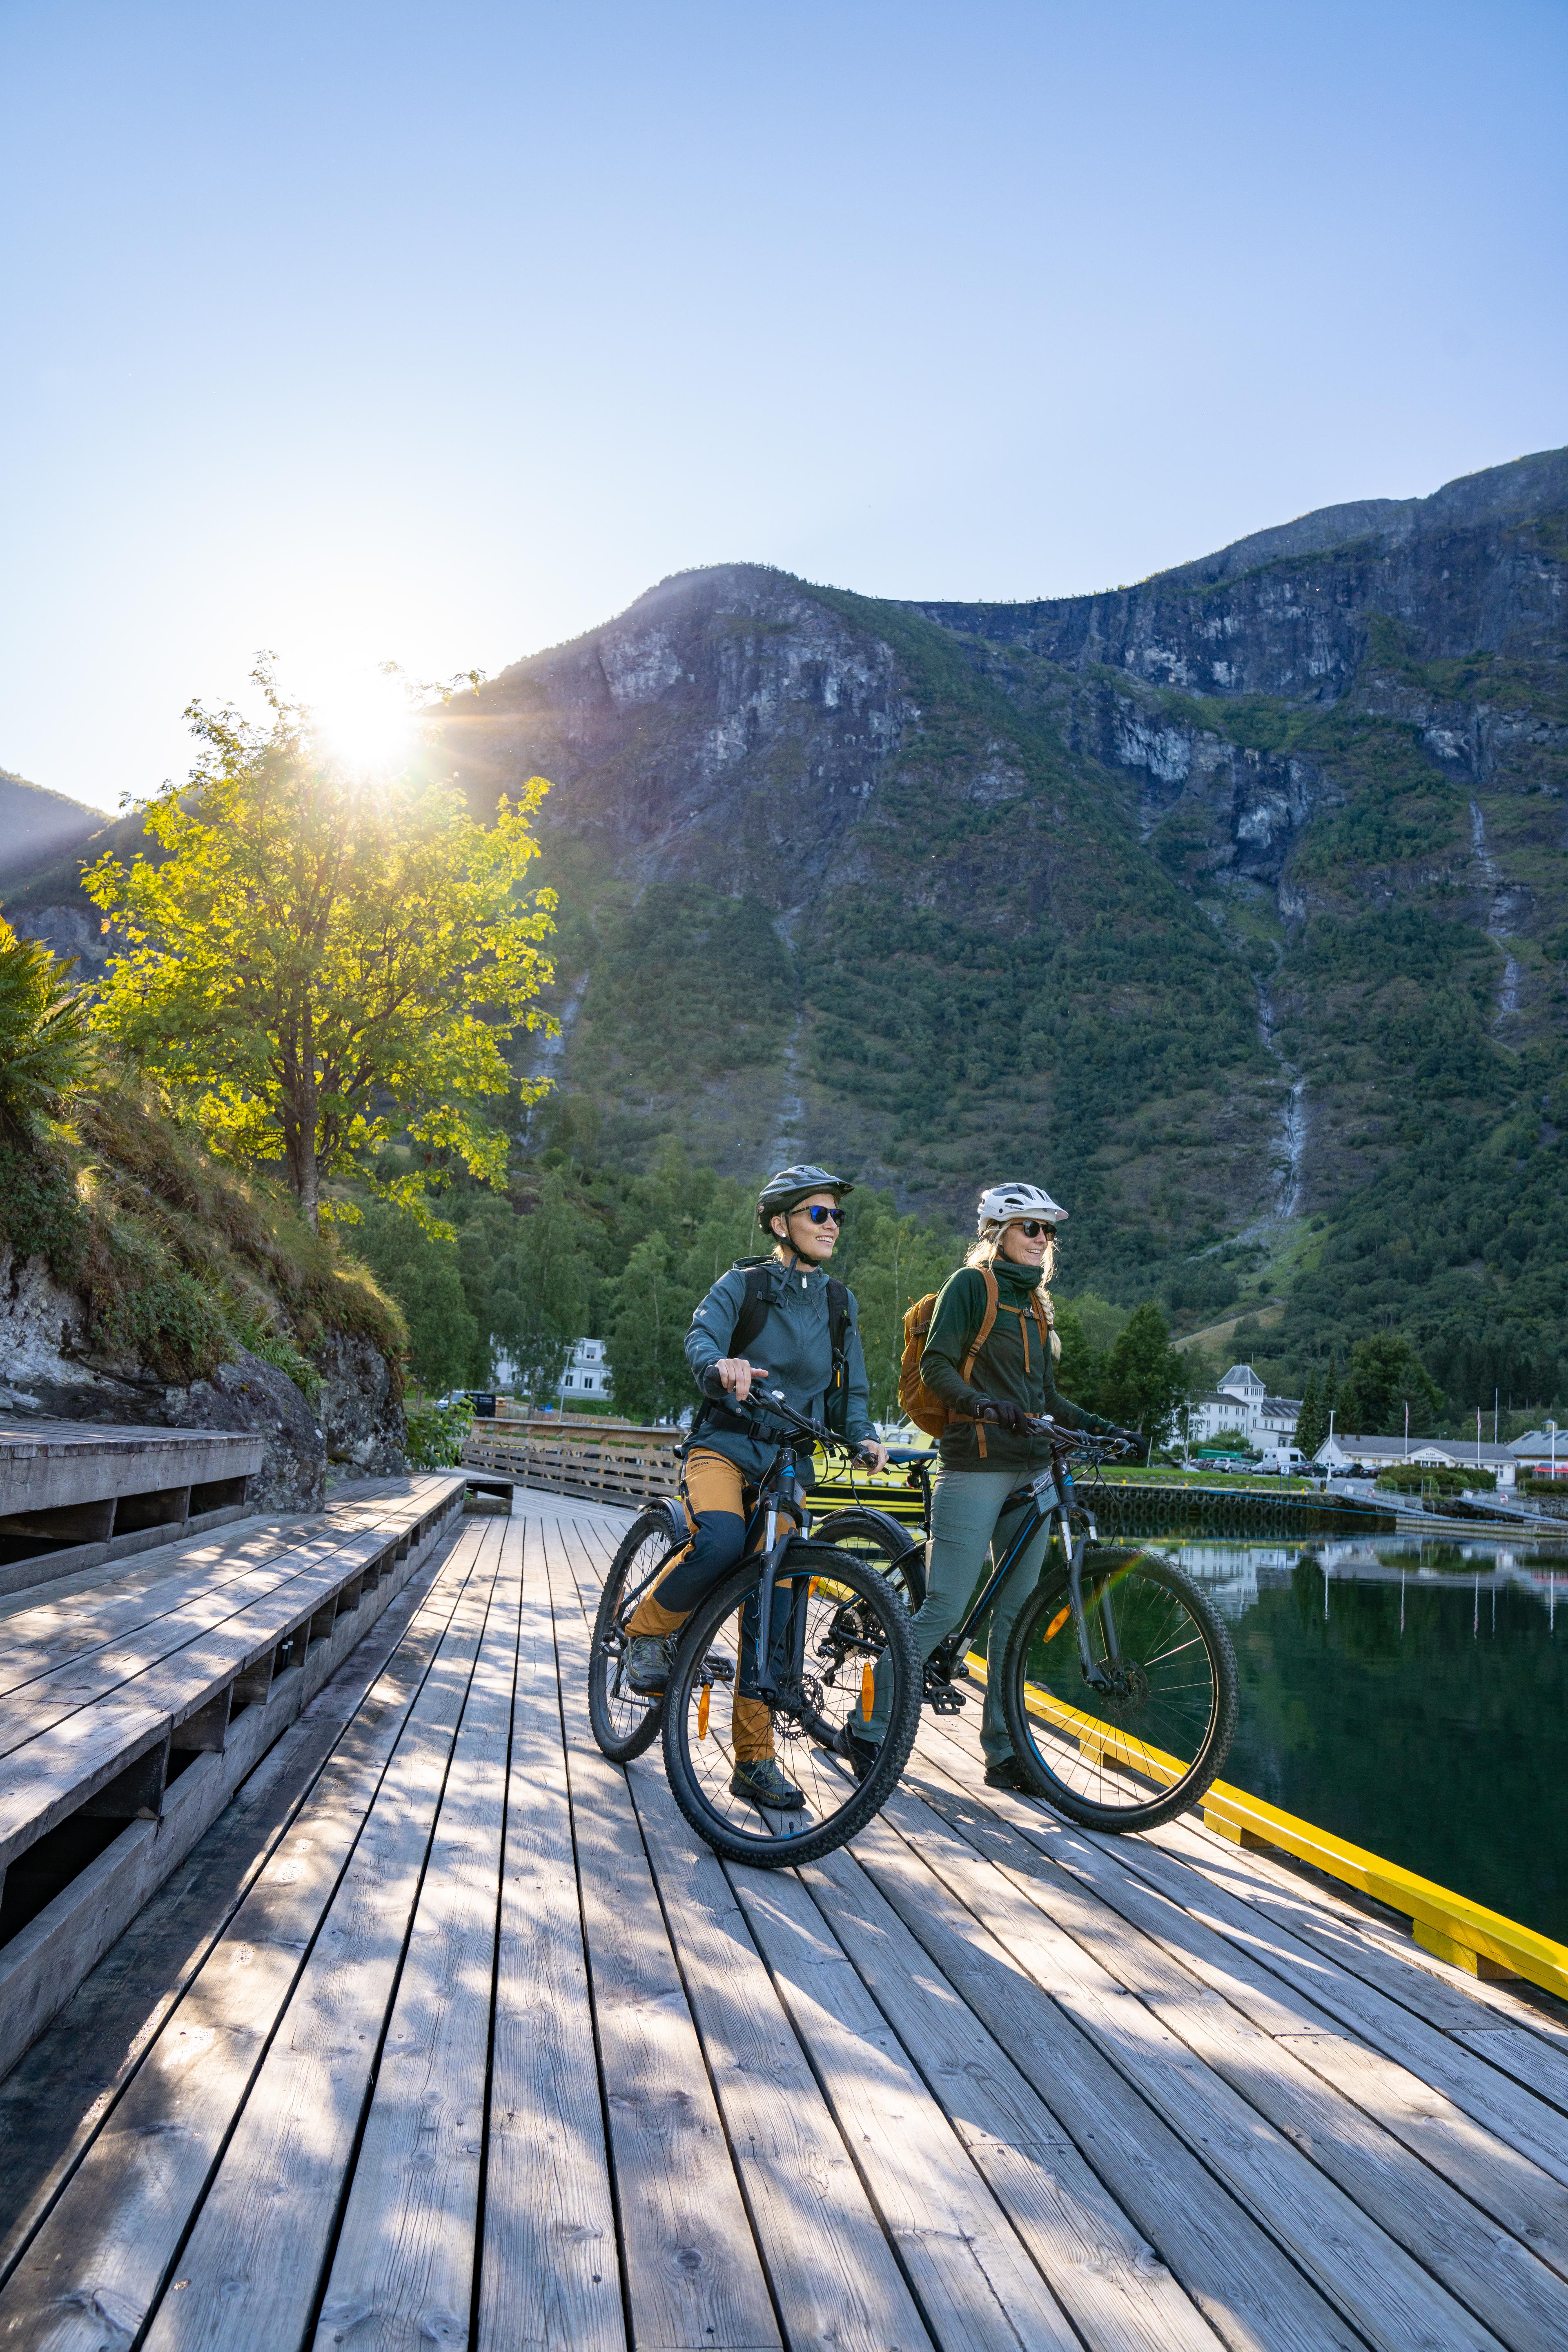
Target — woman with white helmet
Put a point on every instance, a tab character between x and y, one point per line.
994	1376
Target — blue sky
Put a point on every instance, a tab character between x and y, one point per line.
437	334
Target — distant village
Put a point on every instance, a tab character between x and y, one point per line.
1238	1416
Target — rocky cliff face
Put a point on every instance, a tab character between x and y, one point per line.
728	729
1476	568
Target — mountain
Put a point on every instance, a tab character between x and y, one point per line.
1232	905
38	827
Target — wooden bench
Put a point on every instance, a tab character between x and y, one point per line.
73	1495
131	1712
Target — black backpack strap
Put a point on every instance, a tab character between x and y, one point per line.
759	1273
836	1406
760	1293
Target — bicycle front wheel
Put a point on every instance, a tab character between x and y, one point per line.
1145	1746
624	1722
836	1623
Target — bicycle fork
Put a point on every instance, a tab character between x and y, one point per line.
1094	1671
774	1549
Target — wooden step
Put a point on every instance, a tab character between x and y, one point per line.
73	1495
131	1716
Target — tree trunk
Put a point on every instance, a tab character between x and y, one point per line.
310	1184
300	1159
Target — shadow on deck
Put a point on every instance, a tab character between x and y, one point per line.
449	2032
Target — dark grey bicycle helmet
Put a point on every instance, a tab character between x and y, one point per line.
788	1187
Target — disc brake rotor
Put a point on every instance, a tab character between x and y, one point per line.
1126	1690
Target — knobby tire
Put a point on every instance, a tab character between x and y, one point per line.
741	1833
1189	1715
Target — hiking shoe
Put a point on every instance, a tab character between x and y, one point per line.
647	1665
859	1753
765	1785
1009	1774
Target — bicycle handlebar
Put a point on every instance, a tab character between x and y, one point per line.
776	1405
1080	1441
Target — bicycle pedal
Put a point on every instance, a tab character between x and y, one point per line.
945	1700
717	1668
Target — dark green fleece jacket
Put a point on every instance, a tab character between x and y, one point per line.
1012	1364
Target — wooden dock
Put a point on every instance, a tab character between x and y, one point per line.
449	2033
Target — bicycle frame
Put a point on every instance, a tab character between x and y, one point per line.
782	1494
1052	1496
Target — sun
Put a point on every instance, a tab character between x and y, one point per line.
362	718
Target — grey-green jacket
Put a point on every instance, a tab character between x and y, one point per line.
797	1349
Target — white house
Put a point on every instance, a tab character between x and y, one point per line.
1340	1452
588	1373
1242	1404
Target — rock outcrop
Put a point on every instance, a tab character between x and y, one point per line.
48	1370
360	1408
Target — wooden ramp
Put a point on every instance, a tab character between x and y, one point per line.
449	2033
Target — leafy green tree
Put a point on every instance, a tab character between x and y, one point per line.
422	1273
1313	1422
46	1052
1146	1380
1386	1375
543	1291
888	1261
1080	1369
486	1239
318	960
645	1330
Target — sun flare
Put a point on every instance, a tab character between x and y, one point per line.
364	719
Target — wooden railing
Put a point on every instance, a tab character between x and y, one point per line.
620	1464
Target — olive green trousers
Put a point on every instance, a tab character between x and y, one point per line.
970	1535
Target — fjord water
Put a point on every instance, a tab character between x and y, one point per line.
1411	1697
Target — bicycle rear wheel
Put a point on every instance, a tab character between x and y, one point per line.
624	1722
1144	1750
854	1622
884	1543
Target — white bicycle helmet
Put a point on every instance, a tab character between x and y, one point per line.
1005	1204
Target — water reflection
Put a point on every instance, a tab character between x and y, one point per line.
1409	1695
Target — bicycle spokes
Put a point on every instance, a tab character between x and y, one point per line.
764	1760
1140	1724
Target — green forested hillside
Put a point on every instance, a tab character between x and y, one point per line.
1234	905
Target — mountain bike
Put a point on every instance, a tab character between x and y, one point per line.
1119	1687
783	1652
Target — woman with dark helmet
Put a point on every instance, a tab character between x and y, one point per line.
993	1382
822	1373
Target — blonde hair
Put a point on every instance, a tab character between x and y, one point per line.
984	1252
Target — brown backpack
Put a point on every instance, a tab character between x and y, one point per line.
925	1410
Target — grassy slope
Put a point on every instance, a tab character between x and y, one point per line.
177	1257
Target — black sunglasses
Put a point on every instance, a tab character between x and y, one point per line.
1031	1229
820	1216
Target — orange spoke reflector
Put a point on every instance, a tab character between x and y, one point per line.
868	1692
1058	1622
702	1710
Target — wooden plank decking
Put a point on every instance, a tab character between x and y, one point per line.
450	2032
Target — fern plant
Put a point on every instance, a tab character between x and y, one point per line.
46	1052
